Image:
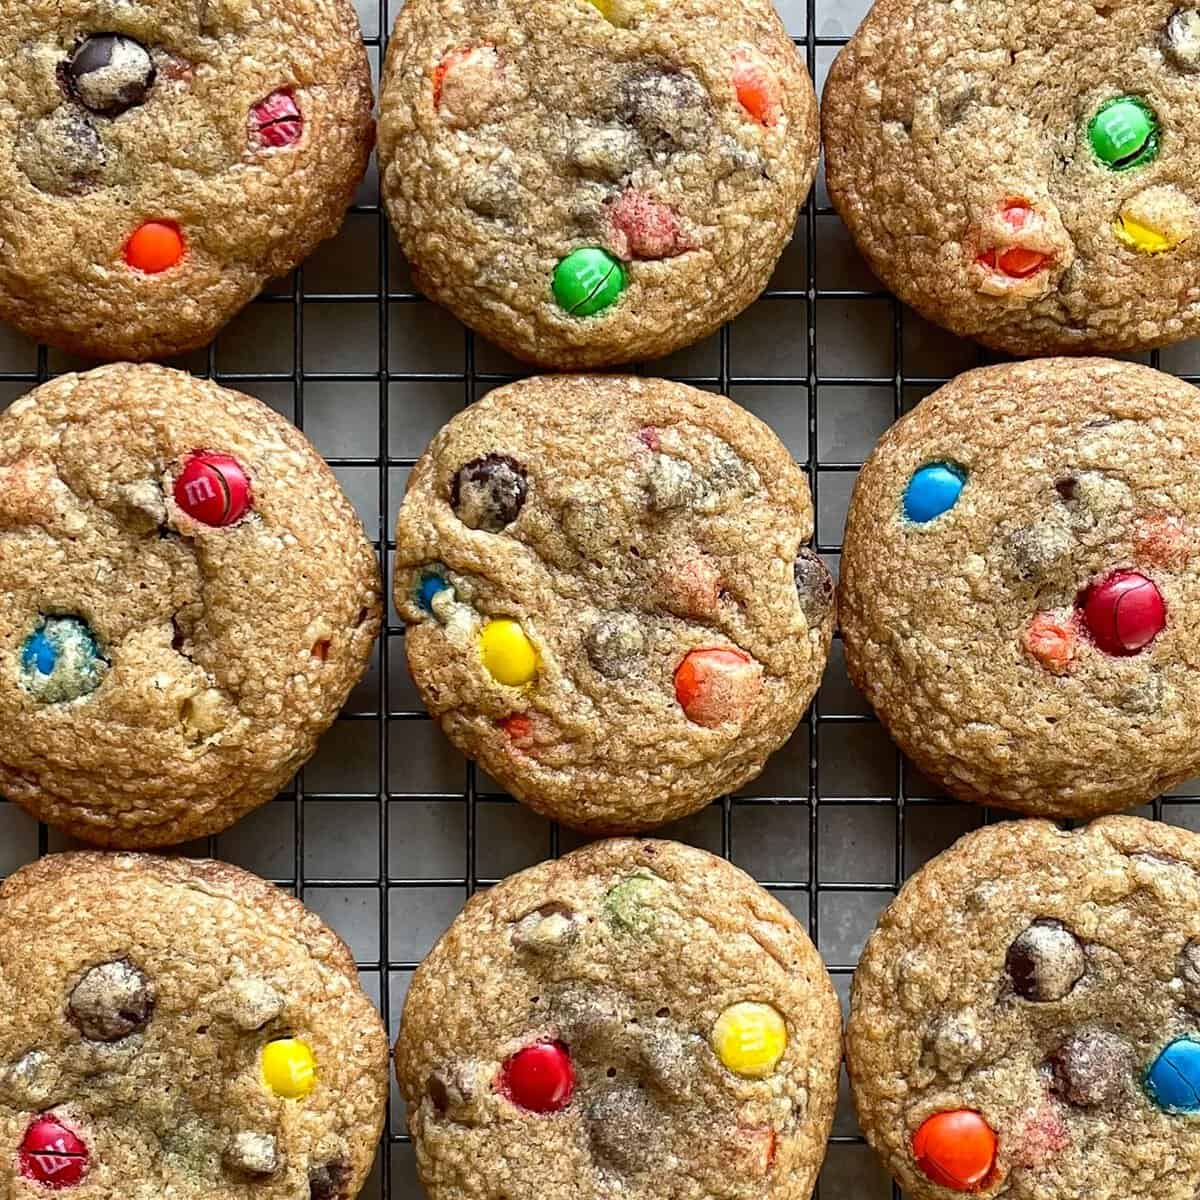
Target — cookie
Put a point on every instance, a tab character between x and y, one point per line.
610	598
161	161
594	183
637	1018
186	599
179	1027
1025	1020
1021	172
1020	580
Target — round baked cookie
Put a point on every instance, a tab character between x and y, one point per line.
1020	583
186	599
1025	1021
171	1027
610	597
160	161
1022	172
594	183
637	1019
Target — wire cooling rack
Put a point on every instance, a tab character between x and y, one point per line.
388	830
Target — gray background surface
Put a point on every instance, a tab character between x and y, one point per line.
388	829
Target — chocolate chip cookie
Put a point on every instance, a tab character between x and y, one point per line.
1025	1020
610	598
1018	582
179	1027
186	599
638	1018
594	183
1024	173
159	162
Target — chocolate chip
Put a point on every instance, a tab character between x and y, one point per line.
1189	972
1182	39
616	646
112	1001
488	493
61	154
252	1154
670	110
666	1062
494	195
954	1044
814	587
30	1081
625	1128
1045	962
328	1181
672	483
1034	551
546	929
435	1088
1092	1068
111	74
250	1003
608	154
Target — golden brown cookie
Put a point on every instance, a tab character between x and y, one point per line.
1018	585
610	597
179	1027
159	162
1025	1020
636	1018
186	599
594	183
1024	172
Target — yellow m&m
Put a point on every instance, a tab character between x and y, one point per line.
750	1039
507	653
288	1068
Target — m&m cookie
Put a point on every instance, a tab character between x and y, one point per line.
639	1019
1022	173
160	162
186	597
1025	1020
1018	582
610	595
587	183
179	1027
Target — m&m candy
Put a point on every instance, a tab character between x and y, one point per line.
750	1039
277	121
1173	1081
61	661
430	585
289	1068
155	247
756	86
51	1154
213	489
539	1078
1124	613
956	1149
1124	133
508	654
933	490
717	684
588	281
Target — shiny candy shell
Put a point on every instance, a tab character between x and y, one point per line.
539	1078
588	281
213	489
155	247
508	654
934	489
429	586
277	120
1124	613
52	1155
956	1149
750	1039
1124	133
1173	1081
289	1068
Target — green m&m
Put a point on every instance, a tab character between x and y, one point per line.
588	281
1124	133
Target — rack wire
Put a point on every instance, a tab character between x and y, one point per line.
388	831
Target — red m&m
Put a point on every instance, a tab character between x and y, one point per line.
277	120
717	684
1123	613
52	1155
956	1149
213	489
539	1078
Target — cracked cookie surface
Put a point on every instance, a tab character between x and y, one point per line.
1018	582
1039	984
588	184
186	600
1024	173
688	1021
159	162
144	1002
610	598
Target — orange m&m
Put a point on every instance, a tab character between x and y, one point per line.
155	247
956	1149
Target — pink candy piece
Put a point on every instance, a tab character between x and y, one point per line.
277	120
643	228
1124	613
649	438
1051	641
52	1155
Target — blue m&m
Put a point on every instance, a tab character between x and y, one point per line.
933	490
61	661
429	585
1173	1081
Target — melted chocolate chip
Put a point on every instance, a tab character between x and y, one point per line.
669	110
61	154
1093	1068
111	74
616	646
255	1154
814	587
111	1002
439	1096
1045	962
328	1181
625	1128
488	493
1182	39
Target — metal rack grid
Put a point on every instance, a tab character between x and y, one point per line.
387	831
